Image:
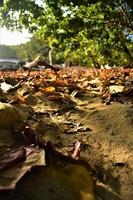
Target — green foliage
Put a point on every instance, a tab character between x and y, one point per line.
88	32
35	46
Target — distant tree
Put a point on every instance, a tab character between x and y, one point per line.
30	49
7	51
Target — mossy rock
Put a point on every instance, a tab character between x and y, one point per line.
9	115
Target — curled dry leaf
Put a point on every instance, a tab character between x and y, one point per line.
76	151
22	160
12	157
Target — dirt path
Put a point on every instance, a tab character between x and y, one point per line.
108	147
105	132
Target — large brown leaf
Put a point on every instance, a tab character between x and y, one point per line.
10	175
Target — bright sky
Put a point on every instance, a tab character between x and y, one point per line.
13	38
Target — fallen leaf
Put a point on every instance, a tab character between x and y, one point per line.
116	88
76	151
61	83
49	89
10	176
12	157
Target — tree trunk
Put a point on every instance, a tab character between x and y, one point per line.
50	56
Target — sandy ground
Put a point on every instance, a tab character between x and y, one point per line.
105	132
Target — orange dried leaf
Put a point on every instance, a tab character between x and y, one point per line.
49	89
21	99
61	83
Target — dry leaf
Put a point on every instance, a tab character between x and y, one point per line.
10	176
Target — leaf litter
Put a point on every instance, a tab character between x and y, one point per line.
45	99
